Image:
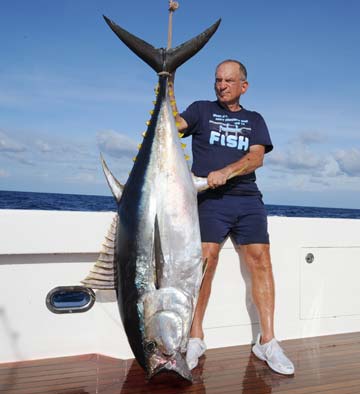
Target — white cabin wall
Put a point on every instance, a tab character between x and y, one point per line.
302	307
40	250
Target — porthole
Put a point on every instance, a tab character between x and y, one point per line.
70	299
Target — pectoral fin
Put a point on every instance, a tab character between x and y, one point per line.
200	183
204	268
158	255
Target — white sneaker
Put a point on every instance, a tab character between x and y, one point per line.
273	354
196	348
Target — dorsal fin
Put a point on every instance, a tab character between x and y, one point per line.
115	186
158	255
103	274
161	59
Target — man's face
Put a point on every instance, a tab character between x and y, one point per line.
230	84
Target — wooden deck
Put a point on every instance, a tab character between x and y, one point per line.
329	364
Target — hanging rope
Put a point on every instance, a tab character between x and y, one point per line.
173	6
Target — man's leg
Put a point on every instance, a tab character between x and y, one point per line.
196	346
258	262
266	348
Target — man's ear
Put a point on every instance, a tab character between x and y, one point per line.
244	87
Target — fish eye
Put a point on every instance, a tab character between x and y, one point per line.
150	346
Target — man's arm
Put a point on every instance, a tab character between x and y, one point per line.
247	164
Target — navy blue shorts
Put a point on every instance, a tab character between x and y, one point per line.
244	218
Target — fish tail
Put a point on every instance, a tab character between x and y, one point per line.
160	59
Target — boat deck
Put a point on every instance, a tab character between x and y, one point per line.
327	364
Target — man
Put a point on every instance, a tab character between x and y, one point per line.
229	143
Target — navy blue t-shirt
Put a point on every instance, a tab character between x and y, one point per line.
221	137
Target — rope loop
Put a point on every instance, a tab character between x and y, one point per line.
164	74
173	5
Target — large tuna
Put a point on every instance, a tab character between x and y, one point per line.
155	241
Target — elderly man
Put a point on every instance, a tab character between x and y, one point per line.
229	143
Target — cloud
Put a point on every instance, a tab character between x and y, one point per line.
303	166
298	153
83	178
31	149
115	144
296	158
20	158
88	168
14	150
311	137
43	146
331	167
300	156
349	161
8	144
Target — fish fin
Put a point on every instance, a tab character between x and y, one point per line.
161	59
200	183
103	273
150	55
175	57
158	255
177	364
204	268
115	186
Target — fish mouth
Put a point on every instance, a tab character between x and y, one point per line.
174	363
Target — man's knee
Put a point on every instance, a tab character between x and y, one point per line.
257	256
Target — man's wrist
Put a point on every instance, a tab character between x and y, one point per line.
227	171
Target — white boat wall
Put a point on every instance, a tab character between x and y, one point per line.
316	265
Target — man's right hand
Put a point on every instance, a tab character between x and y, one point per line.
218	178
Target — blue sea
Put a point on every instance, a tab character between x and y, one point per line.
77	202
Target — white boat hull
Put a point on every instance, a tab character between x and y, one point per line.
40	250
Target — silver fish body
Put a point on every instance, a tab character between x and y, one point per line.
155	242
158	244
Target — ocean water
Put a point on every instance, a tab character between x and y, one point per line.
77	202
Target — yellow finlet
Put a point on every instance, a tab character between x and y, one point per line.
148	122
134	159
187	157
144	134
151	112
180	134
183	146
139	146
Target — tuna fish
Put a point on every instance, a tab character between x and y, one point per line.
155	238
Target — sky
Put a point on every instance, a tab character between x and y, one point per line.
70	89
